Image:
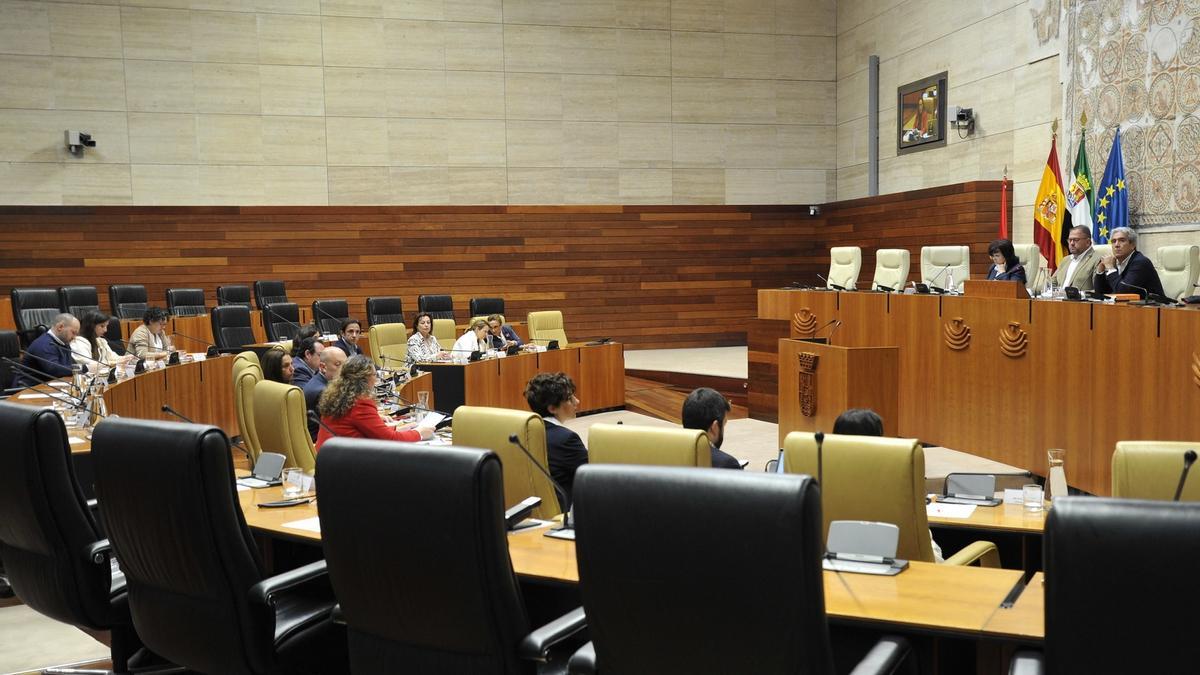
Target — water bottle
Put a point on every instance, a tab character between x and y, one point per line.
950	281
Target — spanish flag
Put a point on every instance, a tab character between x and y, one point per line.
1049	209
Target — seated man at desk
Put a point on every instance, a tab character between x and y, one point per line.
49	353
1126	270
552	395
306	360
706	409
150	340
500	334
1078	268
331	363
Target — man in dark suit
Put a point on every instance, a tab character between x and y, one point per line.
706	409
49	353
332	359
306	360
1126	270
552	395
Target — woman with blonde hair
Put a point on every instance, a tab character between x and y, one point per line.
347	408
475	339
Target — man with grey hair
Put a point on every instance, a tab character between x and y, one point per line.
1078	269
50	353
1126	270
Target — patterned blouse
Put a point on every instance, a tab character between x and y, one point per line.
422	351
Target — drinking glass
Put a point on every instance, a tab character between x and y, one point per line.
423	403
293	483
1032	496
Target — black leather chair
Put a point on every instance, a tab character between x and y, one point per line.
384	309
128	301
115	339
665	609
281	321
446	603
10	347
31	308
267	292
438	306
55	556
1120	584
231	327
78	300
328	315
186	302
198	592
486	306
233	295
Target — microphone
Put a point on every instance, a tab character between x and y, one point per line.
937	276
316	418
35	375
1188	458
212	349
836	326
169	410
819	437
831	285
276	315
566	500
885	289
1150	296
337	320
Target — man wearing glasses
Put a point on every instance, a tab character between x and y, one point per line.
1078	268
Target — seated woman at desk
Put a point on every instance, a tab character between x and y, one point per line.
1005	266
347	408
348	336
475	339
552	395
277	366
90	347
423	347
150	340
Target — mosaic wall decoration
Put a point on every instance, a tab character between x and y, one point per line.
1136	64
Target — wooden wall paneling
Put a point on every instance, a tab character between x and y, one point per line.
217	377
515	373
1177	375
864	319
915	326
1063	365
602	374
762	397
7	322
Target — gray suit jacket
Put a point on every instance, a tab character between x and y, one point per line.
1085	271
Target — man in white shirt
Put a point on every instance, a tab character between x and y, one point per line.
1079	268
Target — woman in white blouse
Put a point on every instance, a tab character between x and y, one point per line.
475	339
423	347
90	347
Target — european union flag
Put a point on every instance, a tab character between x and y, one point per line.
1112	199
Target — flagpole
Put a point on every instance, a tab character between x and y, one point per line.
1004	204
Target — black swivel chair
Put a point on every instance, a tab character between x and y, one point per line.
231	327
55	556
78	300
233	295
198	592
654	600
438	306
1120	584
416	603
33	311
128	301
115	339
186	302
281	321
486	306
10	347
267	292
328	315
384	309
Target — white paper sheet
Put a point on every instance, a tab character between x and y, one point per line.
431	419
308	524
74	441
949	510
32	397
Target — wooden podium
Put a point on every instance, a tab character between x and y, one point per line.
983	288
817	382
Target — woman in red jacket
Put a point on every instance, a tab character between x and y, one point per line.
347	407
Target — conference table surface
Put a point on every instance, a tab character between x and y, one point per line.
943	599
1003	518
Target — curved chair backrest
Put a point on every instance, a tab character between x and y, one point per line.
939	262
420	604
438	306
868	478
186	302
33	307
234	295
662	446
78	300
891	268
1102	250
845	262
1031	259
266	292
1178	267
10	347
189	561
745	524
388	340
45	523
281	423
384	309
329	314
1089	603
445	331
231	326
114	336
247	373
1151	470
128	301
546	326
480	427
485	307
281	321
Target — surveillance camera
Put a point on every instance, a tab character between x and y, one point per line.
814	210
78	140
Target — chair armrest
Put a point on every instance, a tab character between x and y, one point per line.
336	615
1027	662
583	662
264	591
536	645
983	551
96	551
884	658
